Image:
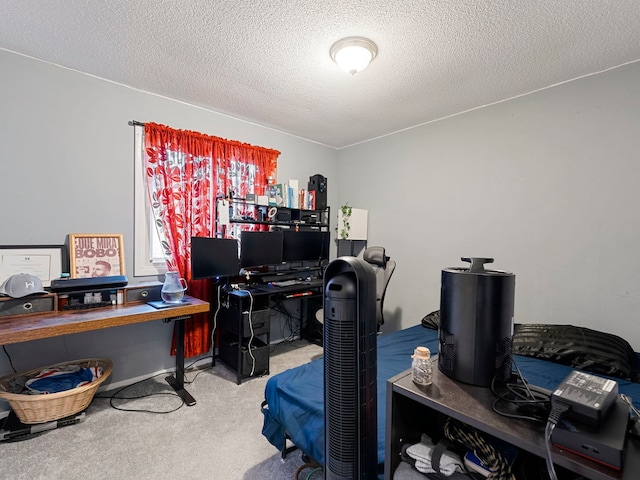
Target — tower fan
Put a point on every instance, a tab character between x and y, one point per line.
350	372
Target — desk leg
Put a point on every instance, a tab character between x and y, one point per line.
304	314
177	381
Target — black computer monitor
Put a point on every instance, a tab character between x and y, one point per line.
214	257
325	244
258	249
305	245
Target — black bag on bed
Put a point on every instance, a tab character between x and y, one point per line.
579	347
431	320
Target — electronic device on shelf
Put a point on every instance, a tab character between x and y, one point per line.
214	257
73	284
605	444
318	183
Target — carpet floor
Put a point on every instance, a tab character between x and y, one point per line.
217	438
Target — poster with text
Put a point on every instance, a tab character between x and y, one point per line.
96	255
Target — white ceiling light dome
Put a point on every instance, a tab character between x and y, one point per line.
353	54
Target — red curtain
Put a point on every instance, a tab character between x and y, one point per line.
185	172
243	169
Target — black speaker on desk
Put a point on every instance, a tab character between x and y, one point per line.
318	183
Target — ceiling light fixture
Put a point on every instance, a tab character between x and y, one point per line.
353	54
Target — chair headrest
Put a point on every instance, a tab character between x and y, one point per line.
375	256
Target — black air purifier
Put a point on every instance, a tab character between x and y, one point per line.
350	371
476	323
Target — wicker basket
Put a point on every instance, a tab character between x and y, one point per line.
54	406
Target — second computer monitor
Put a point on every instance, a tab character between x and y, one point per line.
214	257
258	249
305	246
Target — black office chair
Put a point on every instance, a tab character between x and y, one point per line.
383	267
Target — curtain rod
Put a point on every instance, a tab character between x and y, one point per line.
135	123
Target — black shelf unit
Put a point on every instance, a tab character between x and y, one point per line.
244	345
243	212
412	410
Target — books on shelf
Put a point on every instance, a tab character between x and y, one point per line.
281	194
293	193
288	195
272	194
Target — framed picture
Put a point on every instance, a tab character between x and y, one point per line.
96	255
42	261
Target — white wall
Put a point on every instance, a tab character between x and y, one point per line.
66	154
547	184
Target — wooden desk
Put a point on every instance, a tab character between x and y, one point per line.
24	328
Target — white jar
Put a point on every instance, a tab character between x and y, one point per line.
421	369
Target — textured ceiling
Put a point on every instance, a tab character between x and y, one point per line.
267	61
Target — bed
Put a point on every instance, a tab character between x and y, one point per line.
293	405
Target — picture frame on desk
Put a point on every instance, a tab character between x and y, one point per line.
42	261
96	255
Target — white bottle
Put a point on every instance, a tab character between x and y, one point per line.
421	369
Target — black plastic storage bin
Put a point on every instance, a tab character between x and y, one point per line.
260	319
228	352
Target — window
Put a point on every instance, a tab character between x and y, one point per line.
148	257
243	166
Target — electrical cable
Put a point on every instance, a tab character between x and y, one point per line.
114	396
522	379
626	399
558	411
312	464
310	474
279	308
215	323
534	403
210	367
4	347
253	358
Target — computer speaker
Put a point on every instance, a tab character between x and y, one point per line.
318	183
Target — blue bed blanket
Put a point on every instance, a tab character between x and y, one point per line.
293	406
294	398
